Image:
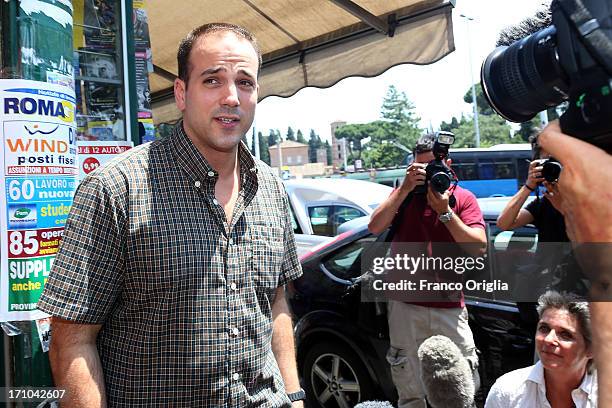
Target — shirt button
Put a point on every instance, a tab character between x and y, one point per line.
198	184
215	202
235	331
233	286
231	241
211	174
235	376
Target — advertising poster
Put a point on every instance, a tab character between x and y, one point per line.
45	33
39	169
146	128
94	154
142	86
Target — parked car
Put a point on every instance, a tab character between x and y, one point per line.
320	206
342	341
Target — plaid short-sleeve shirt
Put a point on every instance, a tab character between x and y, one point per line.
184	297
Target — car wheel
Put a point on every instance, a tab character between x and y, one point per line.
335	377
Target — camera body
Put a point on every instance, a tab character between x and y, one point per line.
551	169
438	174
568	61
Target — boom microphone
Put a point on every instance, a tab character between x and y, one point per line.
446	374
374	404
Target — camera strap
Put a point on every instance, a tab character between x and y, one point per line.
397	220
593	31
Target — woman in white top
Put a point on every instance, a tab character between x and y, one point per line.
564	377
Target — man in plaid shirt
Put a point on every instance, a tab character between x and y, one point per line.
168	288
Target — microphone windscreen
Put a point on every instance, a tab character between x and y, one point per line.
374	404
530	25
446	374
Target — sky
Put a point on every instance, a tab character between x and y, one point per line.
436	90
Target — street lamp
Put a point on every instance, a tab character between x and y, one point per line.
474	103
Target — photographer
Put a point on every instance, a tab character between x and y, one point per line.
427	218
543	213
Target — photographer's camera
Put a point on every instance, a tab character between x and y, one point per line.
438	174
568	61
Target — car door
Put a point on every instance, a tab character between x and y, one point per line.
325	218
503	331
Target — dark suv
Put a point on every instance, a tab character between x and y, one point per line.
342	342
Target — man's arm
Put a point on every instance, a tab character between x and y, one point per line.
383	216
75	364
587	211
513	215
283	344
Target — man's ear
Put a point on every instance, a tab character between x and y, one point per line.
180	87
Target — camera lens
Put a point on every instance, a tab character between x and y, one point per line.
524	78
551	170
440	182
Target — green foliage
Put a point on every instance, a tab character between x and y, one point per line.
300	137
264	153
448	127
355	134
483	106
290	134
399	124
493	130
314	143
328	148
274	137
529	128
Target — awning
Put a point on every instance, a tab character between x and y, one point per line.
305	42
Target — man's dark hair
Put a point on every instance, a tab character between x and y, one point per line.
535	146
530	25
425	143
184	49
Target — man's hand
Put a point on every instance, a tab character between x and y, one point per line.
297	404
437	201
534	177
584	184
415	176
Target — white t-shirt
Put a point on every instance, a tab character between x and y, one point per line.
526	388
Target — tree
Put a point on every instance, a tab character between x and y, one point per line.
253	142
493	130
448	127
314	143
529	128
354	134
290	134
300	137
264	152
483	105
328	149
274	137
399	124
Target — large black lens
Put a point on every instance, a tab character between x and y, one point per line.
525	78
440	182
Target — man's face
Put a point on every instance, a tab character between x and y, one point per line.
218	103
426	157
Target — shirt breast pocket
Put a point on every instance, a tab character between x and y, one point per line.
268	251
